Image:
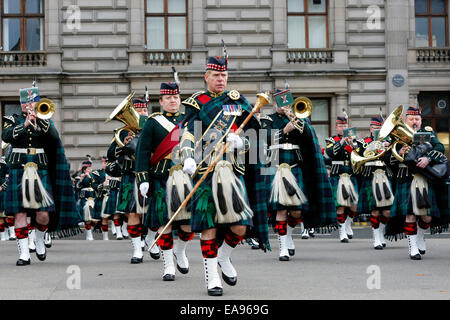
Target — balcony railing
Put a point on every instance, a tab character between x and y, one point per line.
22	58
167	57
310	56
433	55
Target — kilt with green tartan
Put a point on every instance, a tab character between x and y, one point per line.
366	200
334	180
157	213
291	158
402	205
111	203
126	202
203	209
2	201
14	200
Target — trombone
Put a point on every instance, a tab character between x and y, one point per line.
45	109
300	109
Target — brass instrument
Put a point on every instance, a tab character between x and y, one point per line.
125	113
301	109
395	128
45	109
373	152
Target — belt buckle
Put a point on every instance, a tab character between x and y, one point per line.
31	151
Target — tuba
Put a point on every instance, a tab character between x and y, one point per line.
45	109
395	128
125	113
301	109
373	152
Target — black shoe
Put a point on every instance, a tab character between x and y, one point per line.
32	250
119	238
416	257
182	270
350	236
155	256
216	291
48	245
125	237
231	281
284	258
12	239
21	262
291	252
378	248
305	237
41	257
135	260
344	240
384	245
169	277
422	251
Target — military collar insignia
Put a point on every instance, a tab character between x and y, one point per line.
215	94
168	114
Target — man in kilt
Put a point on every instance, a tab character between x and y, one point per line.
375	193
417	204
3	185
220	207
342	178
100	184
164	183
39	182
126	204
114	174
86	191
291	146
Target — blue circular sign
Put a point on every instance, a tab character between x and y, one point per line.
398	80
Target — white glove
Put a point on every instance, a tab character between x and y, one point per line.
189	166
235	141
143	188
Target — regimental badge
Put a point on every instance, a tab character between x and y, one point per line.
429	129
234	95
232	110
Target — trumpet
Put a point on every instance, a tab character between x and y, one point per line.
301	109
44	109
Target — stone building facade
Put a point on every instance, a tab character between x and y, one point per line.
94	53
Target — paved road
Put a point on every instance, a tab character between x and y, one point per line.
322	268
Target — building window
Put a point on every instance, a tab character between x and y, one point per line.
435	113
320	119
431	23
22	25
307	23
166	24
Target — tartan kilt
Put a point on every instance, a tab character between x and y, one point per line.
157	214
334	180
111	203
298	174
98	202
203	221
366	201
13	198
2	201
126	202
403	201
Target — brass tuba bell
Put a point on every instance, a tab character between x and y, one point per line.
125	113
45	109
395	128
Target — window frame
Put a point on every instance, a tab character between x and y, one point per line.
23	16
433	117
429	15
322	122
307	14
166	16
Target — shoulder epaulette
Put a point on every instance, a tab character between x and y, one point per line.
154	114
428	128
96	173
10	118
330	139
191	100
266	118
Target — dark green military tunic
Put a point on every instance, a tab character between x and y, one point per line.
283	148
26	139
157	127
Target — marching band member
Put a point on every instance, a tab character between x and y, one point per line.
87	198
39	182
375	194
293	146
100	185
417	206
220	207
343	181
164	183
